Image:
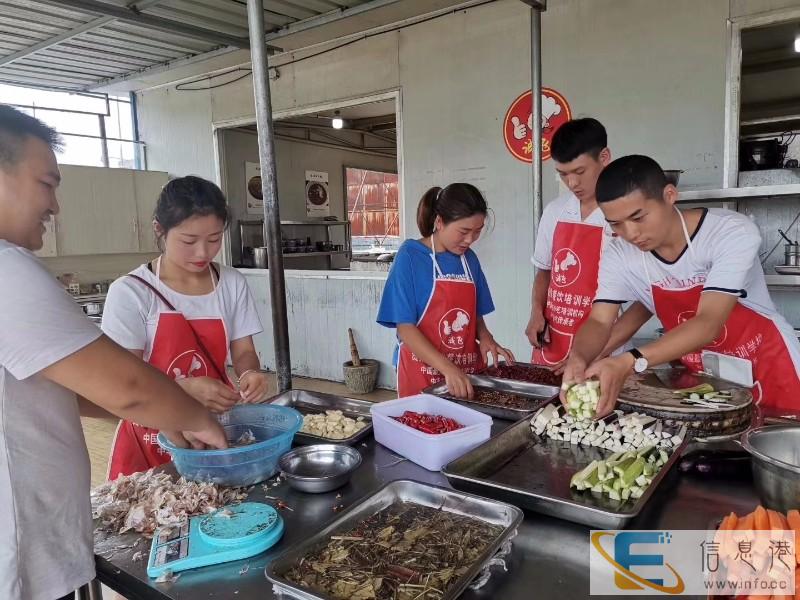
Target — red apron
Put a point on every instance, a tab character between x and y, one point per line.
746	334
573	285
450	323
181	349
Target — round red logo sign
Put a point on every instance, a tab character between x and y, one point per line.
519	120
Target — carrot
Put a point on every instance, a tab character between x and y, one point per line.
796	580
761	518
776	520
730	522
793	518
746	523
723	535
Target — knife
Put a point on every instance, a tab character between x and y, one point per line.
677	379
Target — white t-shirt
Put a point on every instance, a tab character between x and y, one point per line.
565	208
130	314
45	512
723	258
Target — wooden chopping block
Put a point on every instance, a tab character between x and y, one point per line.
645	393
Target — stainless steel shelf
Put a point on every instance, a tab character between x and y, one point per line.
335	233
315	223
312	223
302	254
739	193
780	281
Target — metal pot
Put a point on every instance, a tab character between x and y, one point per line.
775	453
260	257
791	254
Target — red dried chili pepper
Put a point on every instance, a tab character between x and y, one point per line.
431	424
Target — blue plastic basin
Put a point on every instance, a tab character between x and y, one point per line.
272	426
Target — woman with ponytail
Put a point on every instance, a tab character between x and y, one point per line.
436	296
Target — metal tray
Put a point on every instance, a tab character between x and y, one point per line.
490	511
537	393
317	402
534	472
523	365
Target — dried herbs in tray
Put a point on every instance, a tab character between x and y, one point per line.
504	399
523	372
405	552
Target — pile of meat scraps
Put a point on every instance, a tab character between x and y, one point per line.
142	502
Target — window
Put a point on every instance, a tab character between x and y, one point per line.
769	126
373	208
98	129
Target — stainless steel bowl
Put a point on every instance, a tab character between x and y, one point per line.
319	468
775	452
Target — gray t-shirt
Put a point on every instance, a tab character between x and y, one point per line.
45	513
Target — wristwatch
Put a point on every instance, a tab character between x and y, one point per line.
640	363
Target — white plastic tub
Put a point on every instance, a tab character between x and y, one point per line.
431	451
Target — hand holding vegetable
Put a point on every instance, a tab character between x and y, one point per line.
574	372
211	393
253	387
612	373
582	399
211	436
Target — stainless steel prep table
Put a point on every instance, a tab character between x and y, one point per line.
550	558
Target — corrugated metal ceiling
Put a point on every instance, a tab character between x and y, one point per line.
83	44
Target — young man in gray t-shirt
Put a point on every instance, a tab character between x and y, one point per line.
56	366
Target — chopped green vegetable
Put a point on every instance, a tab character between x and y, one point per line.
632	472
623	475
582	399
579	479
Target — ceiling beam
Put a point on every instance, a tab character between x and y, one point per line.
370	122
69	34
349	126
163	67
329	17
287	138
297	27
790	62
137	17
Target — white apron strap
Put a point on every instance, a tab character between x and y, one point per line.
437	272
686	236
214	280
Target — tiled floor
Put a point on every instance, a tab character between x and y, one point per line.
100	433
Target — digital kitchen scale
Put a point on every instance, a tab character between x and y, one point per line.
230	533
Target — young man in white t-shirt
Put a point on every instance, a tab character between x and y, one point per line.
698	271
56	366
571	237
